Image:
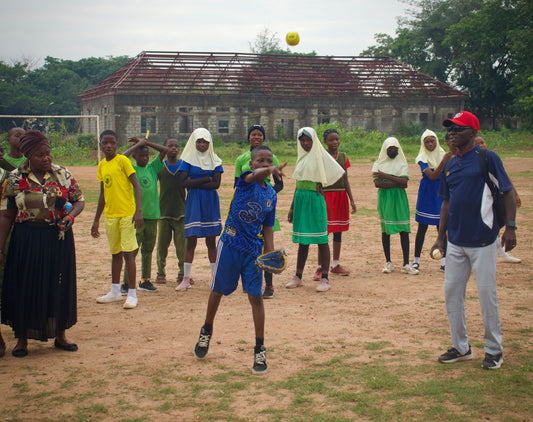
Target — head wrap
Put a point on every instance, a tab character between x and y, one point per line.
317	165
207	160
31	141
431	158
256	127
395	166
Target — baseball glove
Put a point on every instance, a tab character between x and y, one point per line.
272	262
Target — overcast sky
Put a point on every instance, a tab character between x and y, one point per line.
74	29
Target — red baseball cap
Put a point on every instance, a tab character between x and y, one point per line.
463	118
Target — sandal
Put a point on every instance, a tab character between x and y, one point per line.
69	347
19	353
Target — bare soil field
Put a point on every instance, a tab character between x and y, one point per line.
123	353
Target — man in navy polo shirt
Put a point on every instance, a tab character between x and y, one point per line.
468	216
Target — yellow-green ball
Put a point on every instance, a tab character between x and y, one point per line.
292	38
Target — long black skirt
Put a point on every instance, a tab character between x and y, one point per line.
39	289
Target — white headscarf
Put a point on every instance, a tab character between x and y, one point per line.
317	165
431	158
207	160
396	166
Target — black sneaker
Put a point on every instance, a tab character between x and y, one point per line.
492	361
202	347
147	286
260	361
123	289
453	355
269	292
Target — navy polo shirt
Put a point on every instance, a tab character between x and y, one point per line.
463	184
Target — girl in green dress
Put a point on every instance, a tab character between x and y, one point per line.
315	168
391	174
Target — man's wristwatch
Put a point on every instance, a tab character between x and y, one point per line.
511	225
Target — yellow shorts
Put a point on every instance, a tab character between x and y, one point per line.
120	234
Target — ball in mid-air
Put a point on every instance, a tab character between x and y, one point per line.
436	254
292	38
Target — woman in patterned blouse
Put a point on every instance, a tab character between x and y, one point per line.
40	201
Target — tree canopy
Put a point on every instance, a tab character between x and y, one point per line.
53	88
480	46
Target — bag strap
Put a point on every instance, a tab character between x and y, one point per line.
483	163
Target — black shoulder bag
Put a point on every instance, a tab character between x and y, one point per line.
498	206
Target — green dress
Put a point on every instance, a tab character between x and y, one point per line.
310	217
393	209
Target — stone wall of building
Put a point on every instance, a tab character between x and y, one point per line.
229	117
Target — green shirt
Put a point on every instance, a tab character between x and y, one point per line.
243	164
147	177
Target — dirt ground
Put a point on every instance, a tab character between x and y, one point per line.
406	311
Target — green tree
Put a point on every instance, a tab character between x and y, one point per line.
482	47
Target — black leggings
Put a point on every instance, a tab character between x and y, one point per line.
404	241
421	235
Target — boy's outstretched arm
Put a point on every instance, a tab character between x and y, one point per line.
99	210
137	219
268	238
136	144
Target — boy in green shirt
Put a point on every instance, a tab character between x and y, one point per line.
147	176
172	205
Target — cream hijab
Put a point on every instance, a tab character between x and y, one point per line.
431	158
396	166
207	160
317	165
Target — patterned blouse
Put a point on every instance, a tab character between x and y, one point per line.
36	202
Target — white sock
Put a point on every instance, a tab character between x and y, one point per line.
443	261
115	288
132	293
213	268
334	263
187	269
416	260
319	267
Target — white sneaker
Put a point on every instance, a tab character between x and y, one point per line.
323	286
388	268
295	282
131	302
509	258
184	285
110	297
408	269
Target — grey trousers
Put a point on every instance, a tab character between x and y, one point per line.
460	261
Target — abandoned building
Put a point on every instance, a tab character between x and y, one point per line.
172	93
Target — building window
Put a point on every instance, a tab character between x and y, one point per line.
223	126
222	109
324	116
424	117
148	119
185	124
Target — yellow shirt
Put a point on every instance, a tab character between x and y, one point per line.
118	190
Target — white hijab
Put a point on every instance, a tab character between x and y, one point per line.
431	158
317	165
207	160
396	166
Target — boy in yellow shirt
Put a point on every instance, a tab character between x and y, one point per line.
123	215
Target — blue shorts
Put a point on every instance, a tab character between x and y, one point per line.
232	264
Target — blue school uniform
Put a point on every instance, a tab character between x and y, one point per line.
202	207
252	207
428	203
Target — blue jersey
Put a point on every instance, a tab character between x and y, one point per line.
252	207
463	184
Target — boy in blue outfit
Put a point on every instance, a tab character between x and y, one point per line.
252	212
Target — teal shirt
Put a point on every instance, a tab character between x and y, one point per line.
147	177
